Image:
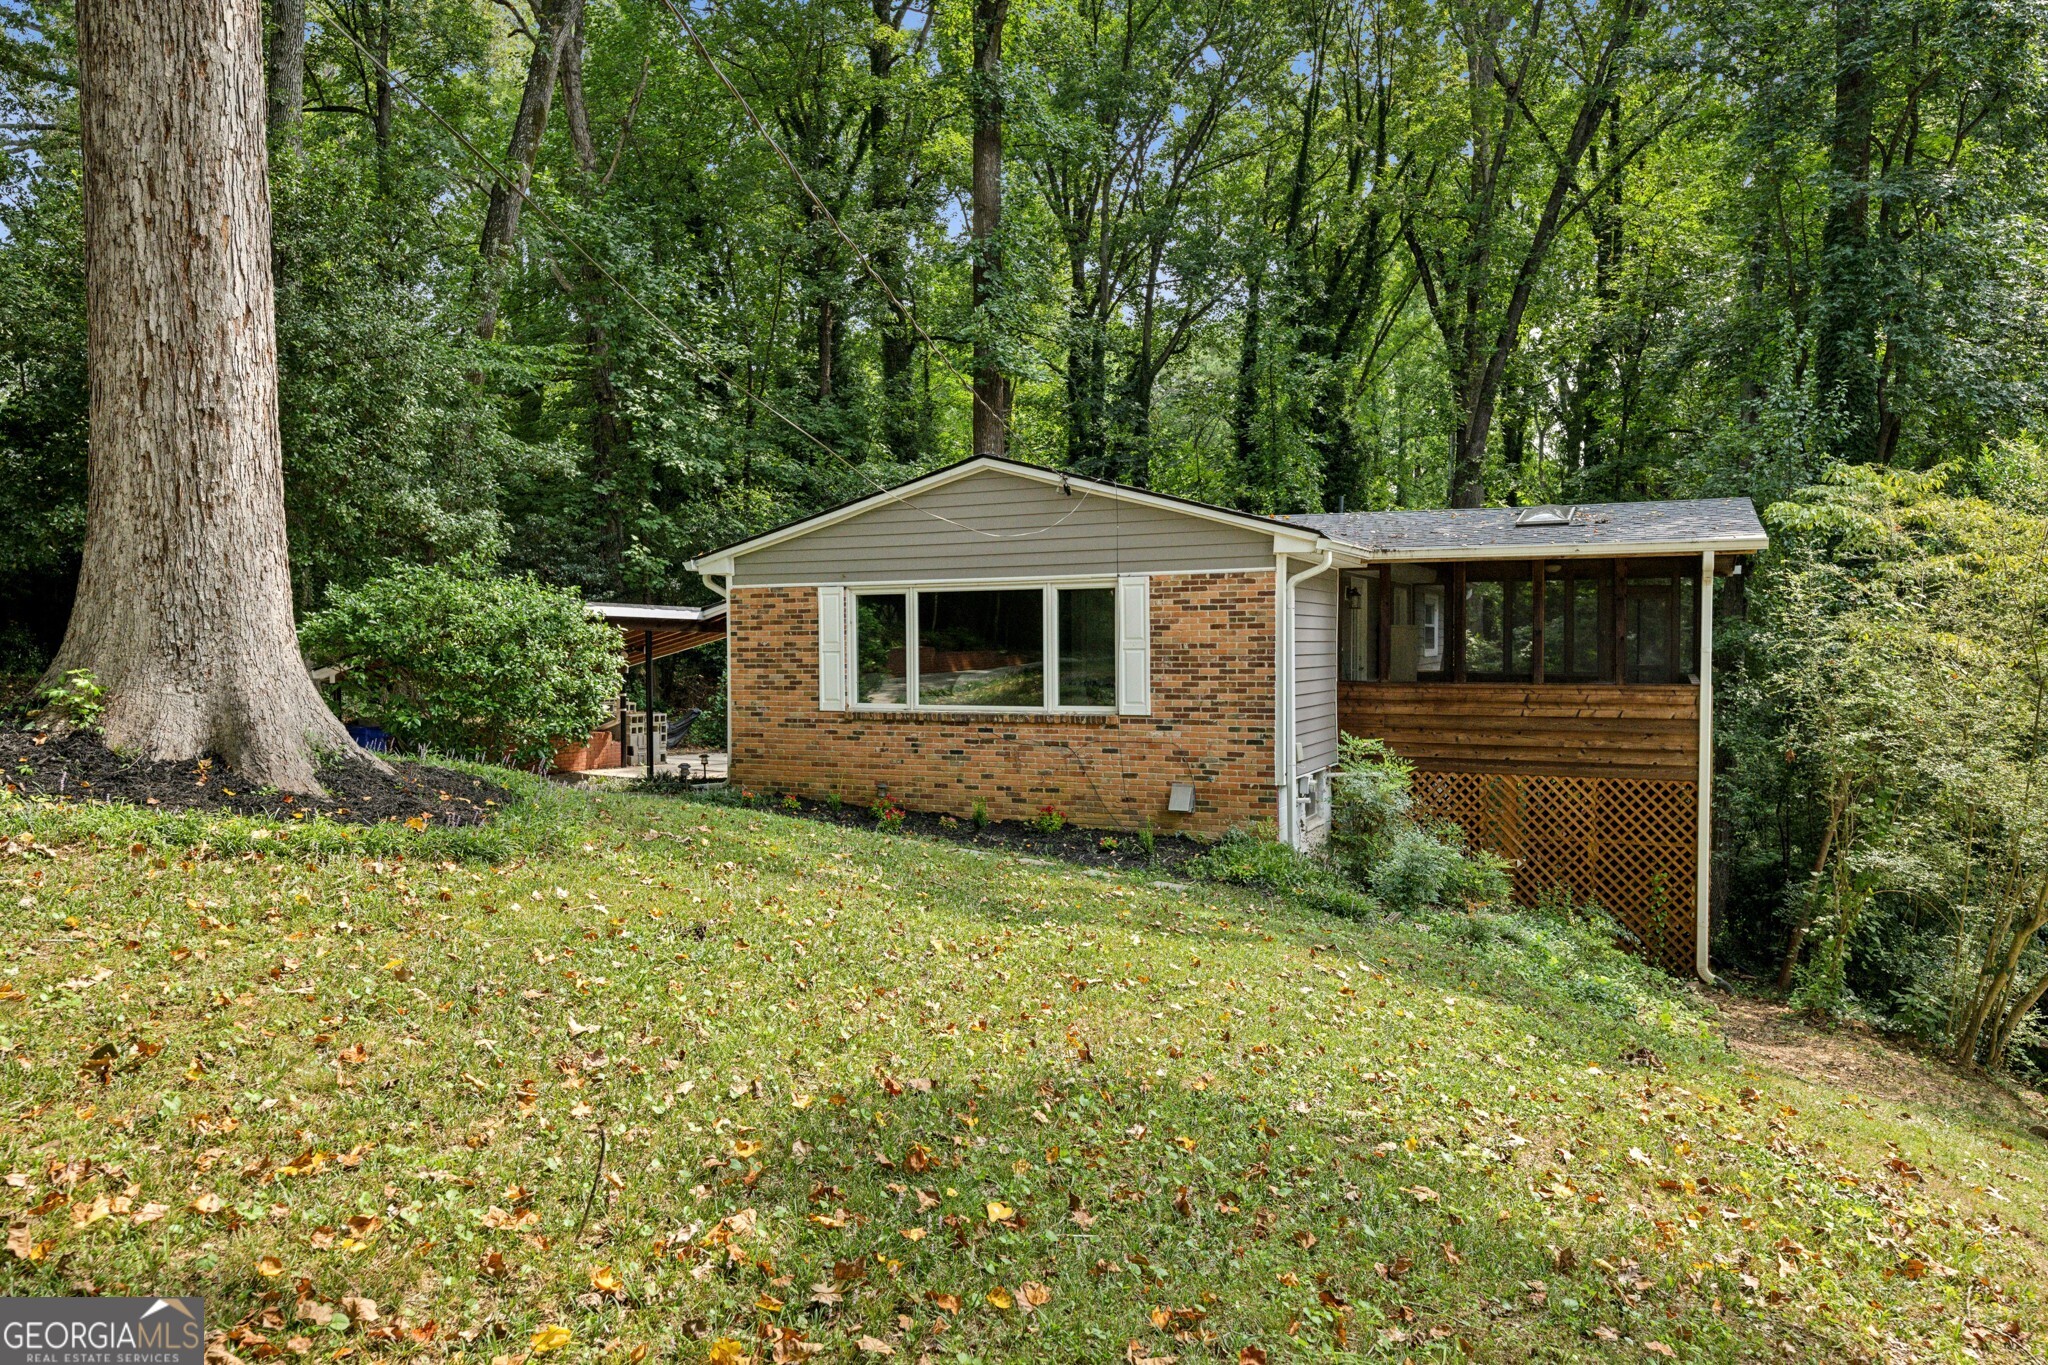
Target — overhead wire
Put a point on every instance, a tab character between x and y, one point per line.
690	352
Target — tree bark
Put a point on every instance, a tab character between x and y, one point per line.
991	386
184	611
285	75
902	424
558	21
574	109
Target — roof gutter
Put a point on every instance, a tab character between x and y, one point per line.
1622	549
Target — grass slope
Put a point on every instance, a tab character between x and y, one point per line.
862	1096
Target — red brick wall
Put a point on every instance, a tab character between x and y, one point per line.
1211	723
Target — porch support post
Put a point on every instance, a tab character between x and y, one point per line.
1703	858
647	651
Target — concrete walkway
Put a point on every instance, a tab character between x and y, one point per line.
692	764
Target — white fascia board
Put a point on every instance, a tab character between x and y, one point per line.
1445	555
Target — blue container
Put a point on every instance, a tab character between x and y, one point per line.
370	737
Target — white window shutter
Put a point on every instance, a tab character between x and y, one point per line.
1134	645
831	649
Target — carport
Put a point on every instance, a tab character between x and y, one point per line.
653	631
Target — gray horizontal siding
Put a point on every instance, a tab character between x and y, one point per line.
1315	670
1074	535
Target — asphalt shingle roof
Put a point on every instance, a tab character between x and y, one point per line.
1702	523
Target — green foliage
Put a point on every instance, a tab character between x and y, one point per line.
466	662
75	701
1248	856
1376	841
1889	724
1049	820
1370	805
389	440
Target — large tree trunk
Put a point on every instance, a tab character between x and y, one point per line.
184	599
991	387
286	71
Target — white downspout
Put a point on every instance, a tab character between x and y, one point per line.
1704	818
1290	832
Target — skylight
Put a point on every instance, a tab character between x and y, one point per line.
1545	516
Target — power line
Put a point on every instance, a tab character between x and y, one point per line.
689	351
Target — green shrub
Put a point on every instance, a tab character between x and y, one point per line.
1376	841
465	662
1370	806
76	701
1418	870
1251	856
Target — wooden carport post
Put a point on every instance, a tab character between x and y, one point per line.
647	649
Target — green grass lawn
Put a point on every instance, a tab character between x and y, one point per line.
679	1081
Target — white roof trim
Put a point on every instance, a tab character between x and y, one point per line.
1286	539
639	612
1438	554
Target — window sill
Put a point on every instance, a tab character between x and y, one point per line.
989	717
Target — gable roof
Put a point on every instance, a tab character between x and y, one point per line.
1290	536
1726	525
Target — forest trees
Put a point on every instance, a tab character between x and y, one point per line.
1355	251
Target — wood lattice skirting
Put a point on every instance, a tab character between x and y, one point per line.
1628	844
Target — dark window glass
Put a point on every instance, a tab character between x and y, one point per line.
1557	625
1500	627
882	667
1087	625
1688	628
981	648
1660	625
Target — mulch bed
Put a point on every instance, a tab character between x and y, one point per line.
1071	844
77	767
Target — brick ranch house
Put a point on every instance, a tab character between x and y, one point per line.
1005	636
